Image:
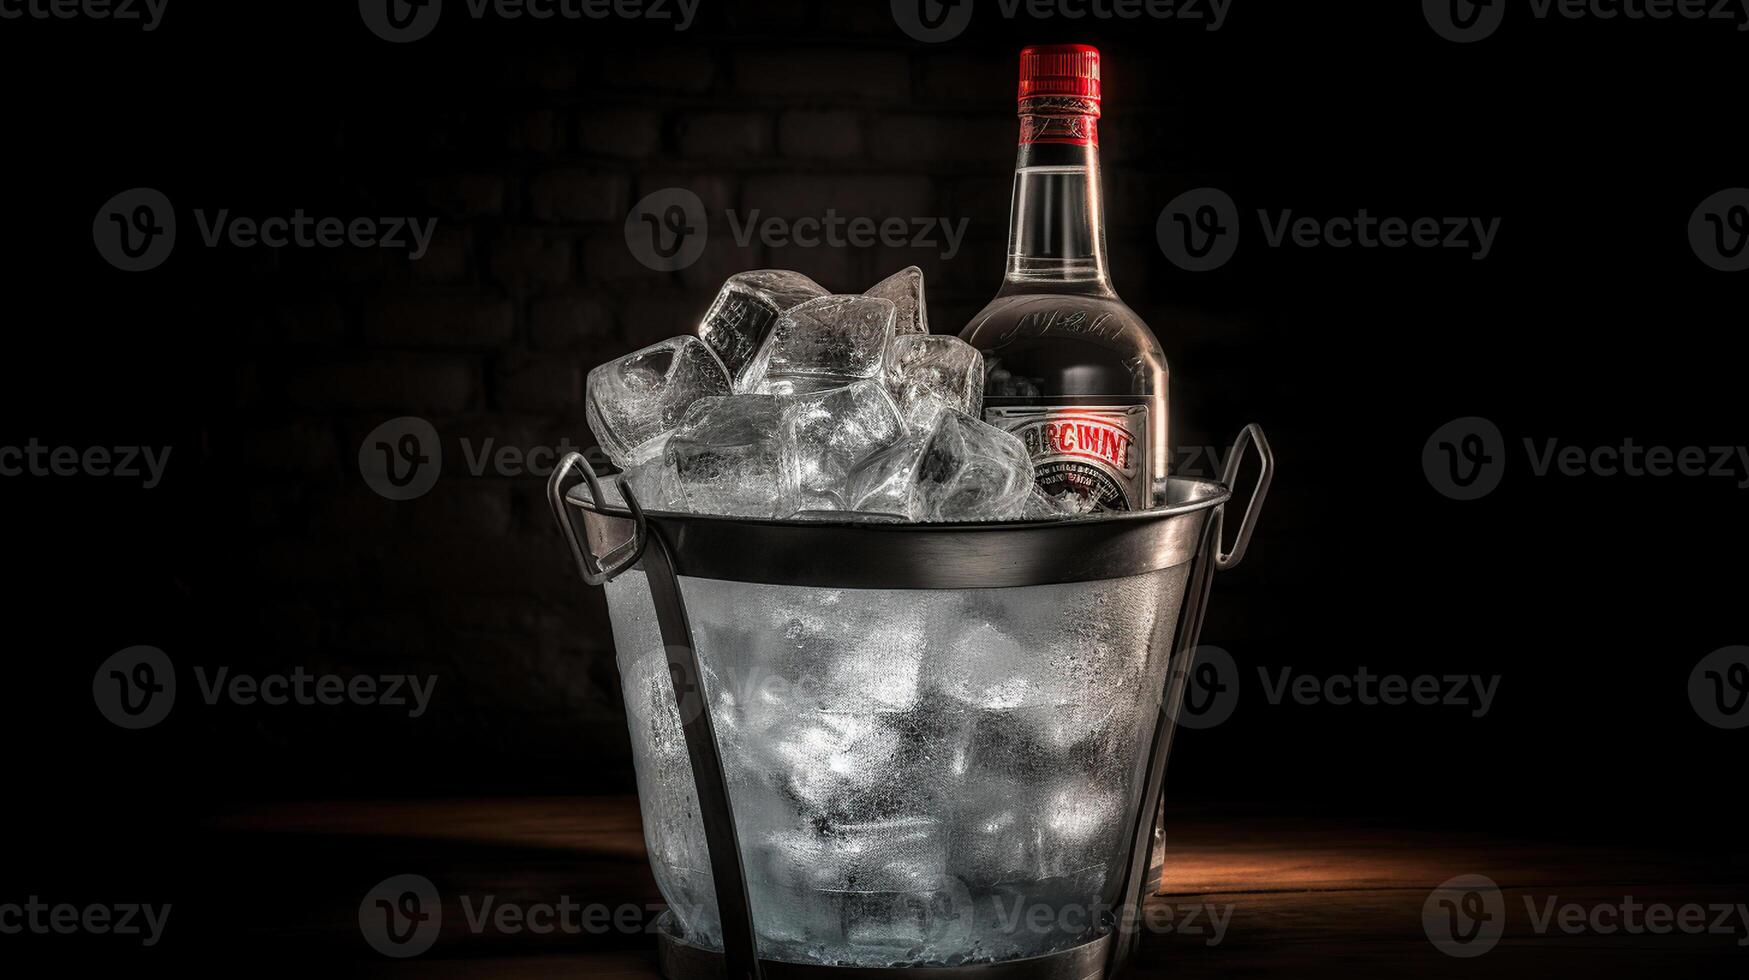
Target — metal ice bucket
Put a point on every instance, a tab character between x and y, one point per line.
919	750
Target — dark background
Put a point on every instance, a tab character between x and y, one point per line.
1591	321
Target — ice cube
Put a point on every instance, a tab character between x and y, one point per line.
799	386
886	485
1054	839
835	762
928	373
905	289
653	484
728	457
807	650
746	307
973	471
874	876
874	890
983	667
634	401
833	432
877	668
1042	506
823	343
964	470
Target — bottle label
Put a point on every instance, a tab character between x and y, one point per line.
1097	451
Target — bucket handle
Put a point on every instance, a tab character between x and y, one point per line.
1251	435
597	570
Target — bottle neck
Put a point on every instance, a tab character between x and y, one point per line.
1056	231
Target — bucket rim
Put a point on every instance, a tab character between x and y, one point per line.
1186	495
884	555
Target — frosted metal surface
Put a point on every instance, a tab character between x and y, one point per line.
917	776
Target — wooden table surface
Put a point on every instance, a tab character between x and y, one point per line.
1294	897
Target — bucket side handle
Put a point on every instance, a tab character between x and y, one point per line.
1251	435
1211	556
596	570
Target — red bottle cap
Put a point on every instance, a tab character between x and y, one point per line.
1070	70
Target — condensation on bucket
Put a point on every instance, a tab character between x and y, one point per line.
917	776
673	828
